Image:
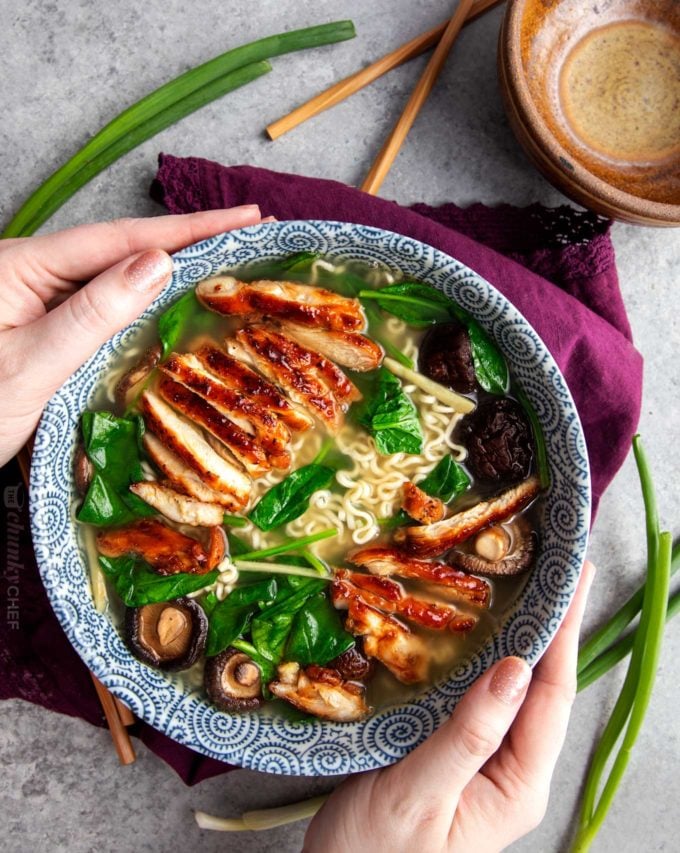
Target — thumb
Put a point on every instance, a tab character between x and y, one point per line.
59	342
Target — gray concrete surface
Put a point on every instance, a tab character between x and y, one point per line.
67	68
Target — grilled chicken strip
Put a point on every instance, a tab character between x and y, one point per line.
183	478
166	550
237	376
321	692
433	539
308	378
178	507
385	639
241	444
388	596
349	349
267	430
460	586
421	506
284	300
187	442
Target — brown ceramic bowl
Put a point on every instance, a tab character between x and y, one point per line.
592	92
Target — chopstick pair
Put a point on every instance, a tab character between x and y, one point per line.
118	715
443	36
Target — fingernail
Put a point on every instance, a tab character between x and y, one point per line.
150	271
270	219
510	680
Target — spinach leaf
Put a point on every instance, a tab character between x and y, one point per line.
228	619
391	417
446	480
300	262
317	635
491	368
290	498
271	627
542	464
137	584
413	302
112	445
173	321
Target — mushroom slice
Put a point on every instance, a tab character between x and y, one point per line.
170	635
301	303
184	478
233	681
388	596
320	691
266	429
187	442
421	506
240	444
275	357
178	507
352	664
237	376
385	639
433	539
167	551
519	557
83	470
451	582
124	391
350	349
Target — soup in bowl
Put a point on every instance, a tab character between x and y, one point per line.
326	480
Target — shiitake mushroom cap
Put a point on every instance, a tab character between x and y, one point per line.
445	356
353	665
124	390
233	681
499	441
169	635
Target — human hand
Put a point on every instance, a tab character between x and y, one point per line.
482	780
50	324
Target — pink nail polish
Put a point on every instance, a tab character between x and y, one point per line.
510	680
150	271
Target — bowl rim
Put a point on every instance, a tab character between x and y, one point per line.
664	213
317	748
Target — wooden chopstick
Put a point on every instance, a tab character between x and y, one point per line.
381	166
117	714
119	734
339	91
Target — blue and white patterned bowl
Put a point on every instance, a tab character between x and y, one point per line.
263	741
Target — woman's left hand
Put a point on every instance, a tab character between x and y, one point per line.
50	323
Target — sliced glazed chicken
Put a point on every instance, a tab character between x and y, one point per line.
237	376
385	639
240	443
321	692
388	596
308	378
186	441
266	428
434	539
166	550
421	506
350	349
178	507
459	585
284	300
182	477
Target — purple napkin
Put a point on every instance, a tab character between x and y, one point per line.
555	265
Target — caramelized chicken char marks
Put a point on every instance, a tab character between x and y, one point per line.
299	303
186	441
178	507
266	428
384	638
320	691
434	539
383	561
304	386
182	477
388	596
166	550
349	349
237	376
421	506
252	456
